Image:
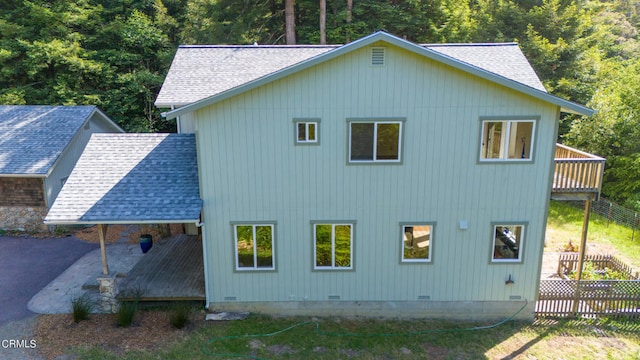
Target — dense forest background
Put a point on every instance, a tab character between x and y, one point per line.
115	53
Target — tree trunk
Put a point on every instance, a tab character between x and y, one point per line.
290	22
349	8
323	22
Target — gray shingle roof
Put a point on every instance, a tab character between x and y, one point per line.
505	59
198	72
132	178
33	137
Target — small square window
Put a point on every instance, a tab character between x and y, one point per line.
254	246
306	131
507	140
507	241
416	243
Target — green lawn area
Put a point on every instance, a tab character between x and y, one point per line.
263	337
604	237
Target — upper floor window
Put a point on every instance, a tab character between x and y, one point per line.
507	242
254	246
375	141
306	131
507	140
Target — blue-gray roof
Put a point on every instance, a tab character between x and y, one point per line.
202	75
33	137
200	71
132	178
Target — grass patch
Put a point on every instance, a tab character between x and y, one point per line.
608	238
81	307
339	338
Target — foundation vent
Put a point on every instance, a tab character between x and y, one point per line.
334	297
230	298
515	297
424	297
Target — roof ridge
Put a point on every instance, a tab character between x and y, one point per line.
470	44
256	46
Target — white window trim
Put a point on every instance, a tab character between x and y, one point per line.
333	245
524	226
255	253
504	139
416	261
375	140
307	122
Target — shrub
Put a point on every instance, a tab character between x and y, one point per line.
124	317
127	310
179	315
81	307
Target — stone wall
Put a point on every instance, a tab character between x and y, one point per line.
23	218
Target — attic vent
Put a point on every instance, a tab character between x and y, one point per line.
377	56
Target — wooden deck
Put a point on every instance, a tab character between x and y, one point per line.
172	270
578	175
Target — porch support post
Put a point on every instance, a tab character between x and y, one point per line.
102	233
583	239
583	247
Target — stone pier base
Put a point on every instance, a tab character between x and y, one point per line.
108	292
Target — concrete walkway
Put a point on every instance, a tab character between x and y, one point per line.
81	277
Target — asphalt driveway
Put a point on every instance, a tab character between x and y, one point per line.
29	264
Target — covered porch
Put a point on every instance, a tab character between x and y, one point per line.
143	179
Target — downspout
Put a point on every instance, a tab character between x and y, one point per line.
200	224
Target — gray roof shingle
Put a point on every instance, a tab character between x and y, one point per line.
131	178
33	137
201	71
504	59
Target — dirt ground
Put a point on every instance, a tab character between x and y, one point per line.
150	330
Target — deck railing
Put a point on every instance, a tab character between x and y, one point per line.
577	171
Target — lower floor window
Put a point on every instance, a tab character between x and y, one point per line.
254	246
507	242
333	246
416	242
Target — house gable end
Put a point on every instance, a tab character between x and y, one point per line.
384	38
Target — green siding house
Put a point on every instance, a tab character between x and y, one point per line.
380	177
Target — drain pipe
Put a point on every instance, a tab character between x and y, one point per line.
200	224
